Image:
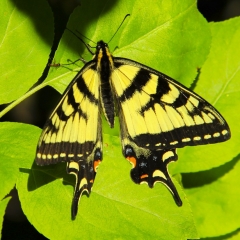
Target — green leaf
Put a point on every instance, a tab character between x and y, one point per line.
215	198
116	208
230	236
218	83
174	39
174	34
179	37
15	150
18	145
3	205
25	45
44	198
216	205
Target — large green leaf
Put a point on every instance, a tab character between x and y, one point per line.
46	201
219	83
214	194
14	151
216	204
174	38
116	208
25	36
18	143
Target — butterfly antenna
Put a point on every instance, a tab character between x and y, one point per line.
85	44
119	27
85	37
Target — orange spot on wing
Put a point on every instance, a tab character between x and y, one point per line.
132	160
144	176
96	164
91	181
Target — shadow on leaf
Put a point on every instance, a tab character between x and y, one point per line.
192	180
225	237
42	175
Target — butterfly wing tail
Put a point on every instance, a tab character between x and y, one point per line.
81	185
85	173
151	167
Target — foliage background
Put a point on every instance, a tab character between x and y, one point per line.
182	41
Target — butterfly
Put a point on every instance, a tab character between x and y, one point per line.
157	115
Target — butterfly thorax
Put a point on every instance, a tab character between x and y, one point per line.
104	68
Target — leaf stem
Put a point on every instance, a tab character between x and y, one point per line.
23	97
29	93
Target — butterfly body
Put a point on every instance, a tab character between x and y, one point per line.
104	68
156	114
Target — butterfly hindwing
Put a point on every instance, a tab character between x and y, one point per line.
73	132
151	167
161	113
85	173
148	166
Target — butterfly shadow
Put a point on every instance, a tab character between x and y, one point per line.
43	175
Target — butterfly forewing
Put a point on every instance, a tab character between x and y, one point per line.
161	113
73	132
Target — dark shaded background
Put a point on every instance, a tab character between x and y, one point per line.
36	109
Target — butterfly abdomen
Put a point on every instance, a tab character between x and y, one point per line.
104	68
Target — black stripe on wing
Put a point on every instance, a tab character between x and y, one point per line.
68	135
160	113
138	83
81	84
52	153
